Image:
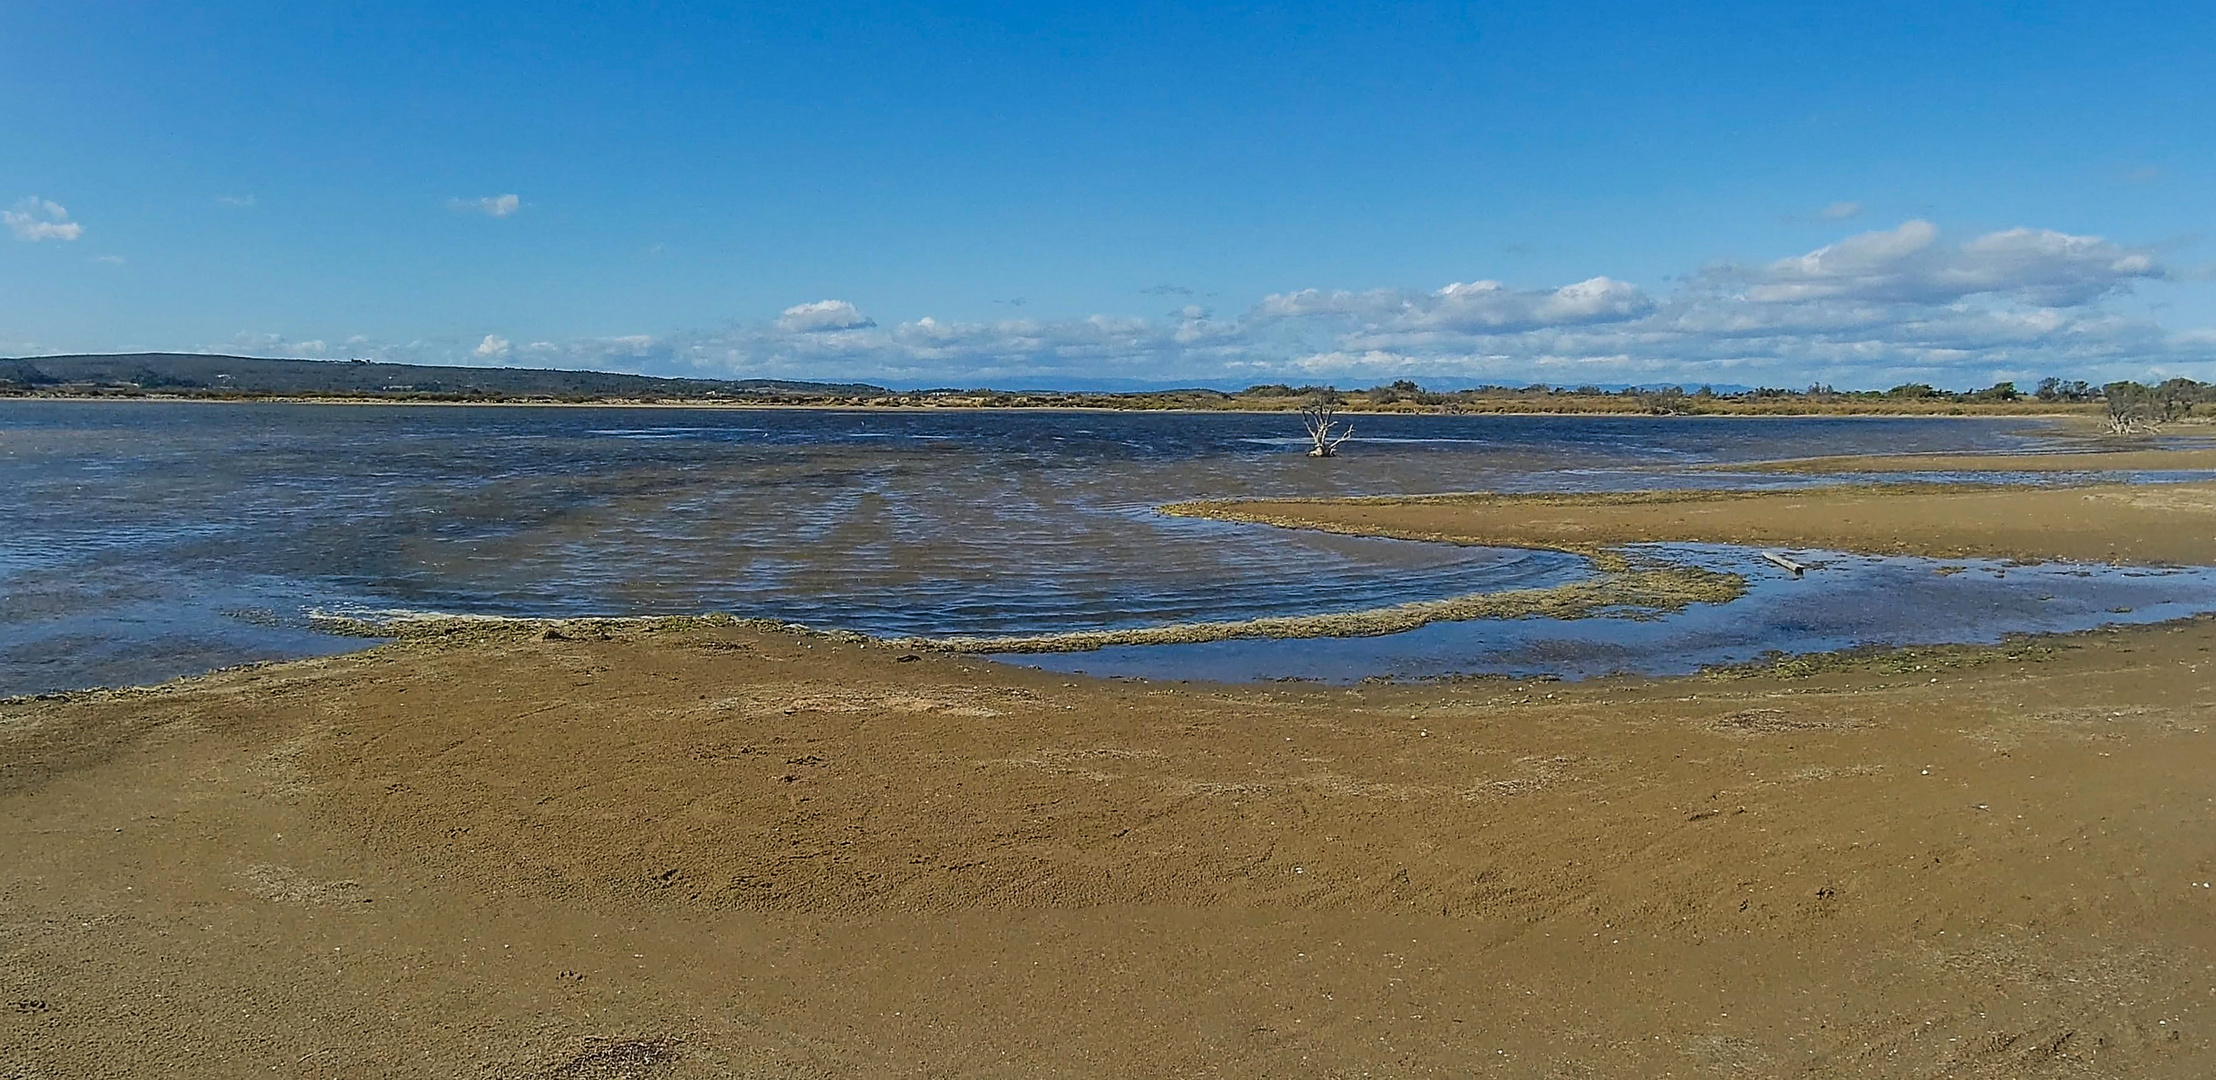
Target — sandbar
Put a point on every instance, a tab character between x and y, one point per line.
2198	459
2113	523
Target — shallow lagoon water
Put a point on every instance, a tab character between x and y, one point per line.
149	539
1844	601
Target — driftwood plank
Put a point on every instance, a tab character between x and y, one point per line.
1794	567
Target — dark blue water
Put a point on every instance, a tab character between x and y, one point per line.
143	540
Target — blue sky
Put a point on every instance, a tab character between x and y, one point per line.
1029	195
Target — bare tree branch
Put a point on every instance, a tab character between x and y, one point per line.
2134	409
1320	416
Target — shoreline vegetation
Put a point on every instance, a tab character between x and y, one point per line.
711	846
2124	406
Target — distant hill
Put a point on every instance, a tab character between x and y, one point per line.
194	373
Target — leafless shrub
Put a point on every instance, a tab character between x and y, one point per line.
1325	430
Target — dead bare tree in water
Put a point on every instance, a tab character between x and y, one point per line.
1321	415
2134	409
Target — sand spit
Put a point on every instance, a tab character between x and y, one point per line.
1621	591
2094	460
2171	524
1633	592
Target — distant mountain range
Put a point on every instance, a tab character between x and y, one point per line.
198	374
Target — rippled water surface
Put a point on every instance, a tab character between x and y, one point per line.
148	539
1844	601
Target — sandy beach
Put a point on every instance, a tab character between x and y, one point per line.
684	850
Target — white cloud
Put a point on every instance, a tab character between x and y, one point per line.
1478	306
109	260
1876	309
492	348
1906	264
33	219
823	315
498	206
1840	211
1599	299
243	202
1379	303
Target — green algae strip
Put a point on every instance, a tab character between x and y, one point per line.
1631	592
1635	593
486	629
1910	659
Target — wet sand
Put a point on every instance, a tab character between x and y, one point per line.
2104	460
697	850
2115	523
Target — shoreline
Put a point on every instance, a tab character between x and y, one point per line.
1965	411
724	849
439	633
1656	588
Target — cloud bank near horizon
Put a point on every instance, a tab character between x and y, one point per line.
1874	309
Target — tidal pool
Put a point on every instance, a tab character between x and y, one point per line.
1844	601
